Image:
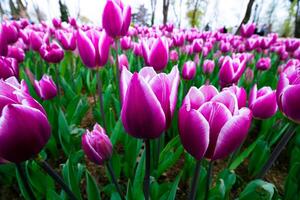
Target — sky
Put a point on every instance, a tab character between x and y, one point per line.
218	12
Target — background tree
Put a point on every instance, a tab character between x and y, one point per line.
297	20
247	15
64	13
141	17
153	7
166	4
40	15
288	24
196	9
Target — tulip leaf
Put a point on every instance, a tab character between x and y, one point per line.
76	110
117	132
139	178
52	195
68	91
218	192
64	132
70	176
92	190
21	186
173	191
292	185
258	157
257	190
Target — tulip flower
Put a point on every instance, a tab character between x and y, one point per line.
96	145
148	101
51	53
35	40
158	55
208	66
247	30
263	64
123	61
291	44
197	45
210	123
17	53
72	21
125	43
262	102
11	32
224	46
67	40
287	93
8	67
93	47
116	19
240	93
56	22
25	129
45	88
189	70
173	56
3	43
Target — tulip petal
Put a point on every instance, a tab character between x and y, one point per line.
86	49
142	114
124	82
228	99
209	91
291	103
232	134
265	106
193	131
147	73
174	79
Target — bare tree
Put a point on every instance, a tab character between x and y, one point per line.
141	16
297	21
247	15
166	4
272	7
153	7
194	13
40	15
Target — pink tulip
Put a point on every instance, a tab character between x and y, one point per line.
189	70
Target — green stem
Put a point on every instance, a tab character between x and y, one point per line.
114	180
24	180
100	93
147	171
208	179
117	65
195	180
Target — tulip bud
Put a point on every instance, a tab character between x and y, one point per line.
25	129
67	40
159	55
262	102
263	64
45	88
97	145
249	75
173	56
17	53
51	53
247	30
125	43
208	66
197	45
56	22
189	70
123	61
35	41
8	67
11	32
148	101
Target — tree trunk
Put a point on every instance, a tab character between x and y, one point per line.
297	21
165	10
194	13
247	15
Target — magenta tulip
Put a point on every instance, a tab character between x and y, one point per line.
96	145
67	40
3	43
35	40
16	53
25	129
11	32
51	53
123	61
8	67
262	102
125	43
174	56
240	94
148	101
247	30
263	64
208	66
45	88
189	70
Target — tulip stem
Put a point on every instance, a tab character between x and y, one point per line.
208	179
117	64
57	80
276	152
114	180
147	170
24	180
195	180
101	98
57	178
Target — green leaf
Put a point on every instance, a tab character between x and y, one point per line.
21	186
172	194
92	190
258	190
292	185
259	157
139	178
52	195
64	133
71	178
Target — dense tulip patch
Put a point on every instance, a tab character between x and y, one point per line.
164	106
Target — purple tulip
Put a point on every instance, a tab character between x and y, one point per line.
67	40
208	66
56	22
116	19
287	93
197	45
16	53
189	70
45	88
123	61
231	70
96	145
224	47
3	43
125	43
35	40
148	101
174	56
93	47
247	30
72	21
262	102
51	53
263	64
8	67
212	127
291	44
240	93
25	129
158	55
11	32
178	40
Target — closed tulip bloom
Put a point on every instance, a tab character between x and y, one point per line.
123	61
16	53
173	56
208	66
8	67
240	94
197	45
125	43
56	22
158	55
93	47
262	102
148	101
224	46
35	40
116	19
3	43
67	40
212	128
291	44
51	53
45	88
189	70
231	70
247	30
97	145
287	93
11	32
25	129
263	64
